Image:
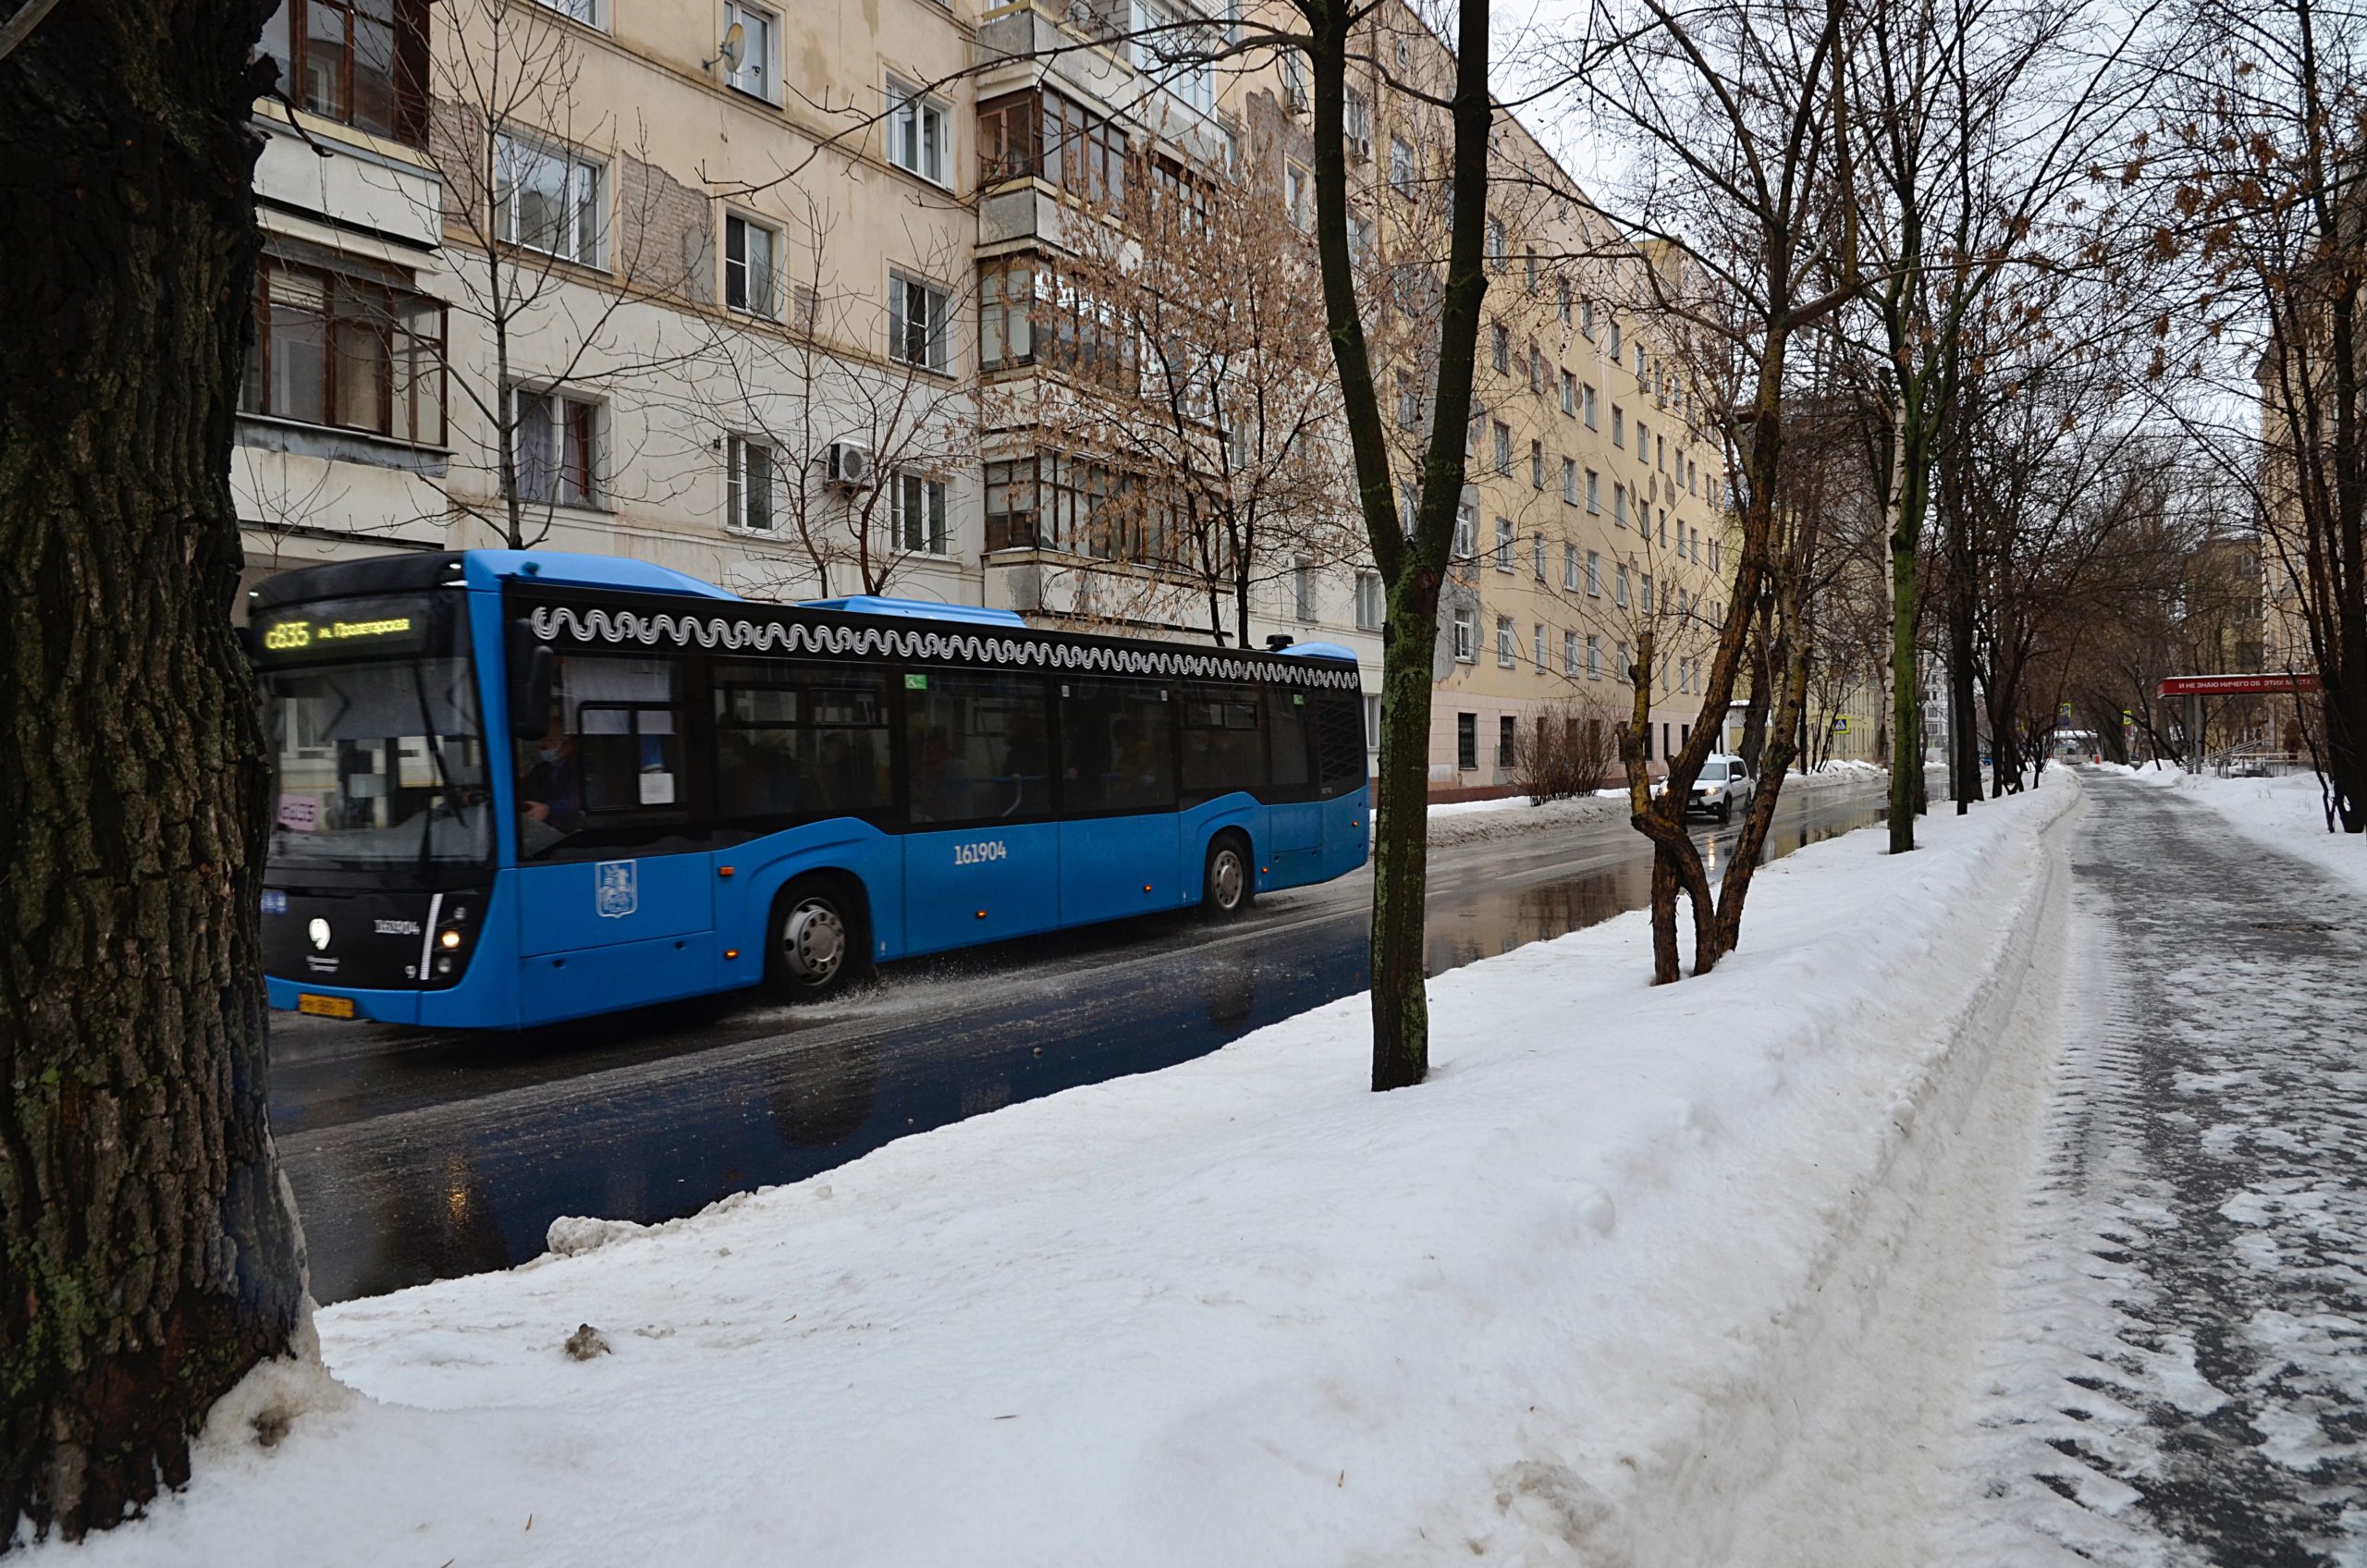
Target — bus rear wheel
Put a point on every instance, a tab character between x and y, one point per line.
818	942
1227	888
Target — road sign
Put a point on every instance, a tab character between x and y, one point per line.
1841	724
2235	685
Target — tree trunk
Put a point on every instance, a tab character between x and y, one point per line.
1751	842
1908	488
1754	714
153	1257
1401	1017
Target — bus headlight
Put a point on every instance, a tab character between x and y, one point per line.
448	939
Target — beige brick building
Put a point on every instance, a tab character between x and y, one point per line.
740	289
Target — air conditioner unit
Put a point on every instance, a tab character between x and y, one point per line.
848	463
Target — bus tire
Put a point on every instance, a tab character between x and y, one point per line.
818	941
1227	883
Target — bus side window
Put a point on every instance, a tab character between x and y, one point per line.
1116	747
1286	716
977	747
1339	740
1222	750
797	741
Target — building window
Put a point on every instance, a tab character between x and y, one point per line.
333	349
1645	602
758	72
362	63
1564	289
1504	543
1175	55
1536	555
749	262
1467	534
1401	167
585	11
1536	646
1531	259
1496	243
1569	566
1569	653
1585	401
558	448
918	507
1594	657
1465	636
1586	319
1500	348
1507	642
1009	291
1355	125
916	131
1409	401
1504	447
1368	600
1620	668
1569	392
1569	481
1536	465
1618	425
1042	135
1619	593
1536	369
1466	742
1594	493
748	484
1614	343
1713	556
1506	741
916	324
1619	506
1372	722
1594	574
1303	591
546	199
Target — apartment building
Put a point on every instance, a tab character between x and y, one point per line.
773	296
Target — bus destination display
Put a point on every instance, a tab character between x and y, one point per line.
355	630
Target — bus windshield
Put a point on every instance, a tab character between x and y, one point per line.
378	752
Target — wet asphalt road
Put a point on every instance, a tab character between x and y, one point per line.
420	1155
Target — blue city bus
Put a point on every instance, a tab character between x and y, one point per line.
516	786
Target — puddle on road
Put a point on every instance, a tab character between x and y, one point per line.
462	1192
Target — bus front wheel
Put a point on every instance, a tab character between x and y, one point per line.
819	941
1228	887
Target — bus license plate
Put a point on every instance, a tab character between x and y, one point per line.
325	1007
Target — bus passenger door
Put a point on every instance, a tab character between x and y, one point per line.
982	860
1119	837
1292	853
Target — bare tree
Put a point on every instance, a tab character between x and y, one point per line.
840	417
542	285
1177	335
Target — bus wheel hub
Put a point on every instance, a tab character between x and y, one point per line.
814	941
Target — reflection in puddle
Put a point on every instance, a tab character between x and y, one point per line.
466	1188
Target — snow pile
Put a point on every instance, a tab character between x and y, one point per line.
2286	814
1565	1304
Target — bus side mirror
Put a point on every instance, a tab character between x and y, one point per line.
529	692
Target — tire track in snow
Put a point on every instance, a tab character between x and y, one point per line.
2180	1371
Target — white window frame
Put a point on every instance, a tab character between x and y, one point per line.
1371	605
1505	538
509	154
1467	534
1466	635
1594	574
758	72
1569	390
735	484
768	306
1570	566
591	13
935	533
1594	656
1303	591
1537	645
1594	493
1569	481
937	352
1537	555
1592	408
595	487
1570	653
1403	177
1619	587
920	131
1508	642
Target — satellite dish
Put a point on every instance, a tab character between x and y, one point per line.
734	47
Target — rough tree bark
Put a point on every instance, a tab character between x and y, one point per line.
151	1251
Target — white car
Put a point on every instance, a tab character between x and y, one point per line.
1723	783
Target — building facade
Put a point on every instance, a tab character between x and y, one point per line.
781	299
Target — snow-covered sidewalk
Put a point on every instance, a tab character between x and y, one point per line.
2285	813
1604	1291
1466	822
